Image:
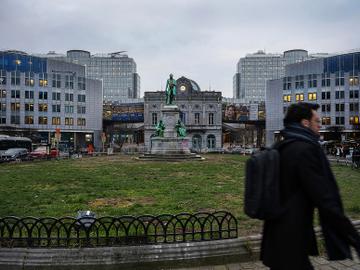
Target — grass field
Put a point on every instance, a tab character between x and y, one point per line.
119	185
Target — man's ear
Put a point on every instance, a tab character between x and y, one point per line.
305	123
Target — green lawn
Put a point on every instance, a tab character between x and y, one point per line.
119	185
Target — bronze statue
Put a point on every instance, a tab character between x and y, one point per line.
180	129
170	90
159	129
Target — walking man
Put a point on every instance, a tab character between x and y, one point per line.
306	182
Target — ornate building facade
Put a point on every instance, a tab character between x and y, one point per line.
200	111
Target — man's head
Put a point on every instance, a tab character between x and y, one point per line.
305	114
171	76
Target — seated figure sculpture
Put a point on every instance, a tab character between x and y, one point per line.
180	129
159	129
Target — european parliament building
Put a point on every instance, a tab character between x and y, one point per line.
39	95
332	82
117	71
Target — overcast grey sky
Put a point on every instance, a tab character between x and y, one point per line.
199	39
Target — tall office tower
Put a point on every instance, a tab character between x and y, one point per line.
253	70
121	83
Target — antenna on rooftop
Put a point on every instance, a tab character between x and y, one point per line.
114	54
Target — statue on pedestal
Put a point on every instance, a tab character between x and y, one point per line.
159	129
170	90
180	129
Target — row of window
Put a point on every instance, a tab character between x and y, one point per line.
43	120
154	118
15	77
325	82
353	107
353	120
43	107
43	95
324	95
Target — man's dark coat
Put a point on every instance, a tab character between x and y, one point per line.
306	182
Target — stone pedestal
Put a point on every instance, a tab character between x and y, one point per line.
170	147
170	143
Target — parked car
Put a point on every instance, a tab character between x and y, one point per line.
14	154
44	152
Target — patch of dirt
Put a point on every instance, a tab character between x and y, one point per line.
120	202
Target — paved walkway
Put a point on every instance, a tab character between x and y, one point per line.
318	262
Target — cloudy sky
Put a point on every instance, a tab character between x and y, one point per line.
199	39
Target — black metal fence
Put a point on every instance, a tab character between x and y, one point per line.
116	231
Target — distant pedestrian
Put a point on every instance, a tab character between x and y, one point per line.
306	182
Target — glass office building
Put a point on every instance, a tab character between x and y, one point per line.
121	82
252	72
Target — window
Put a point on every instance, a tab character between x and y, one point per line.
287	83
69	121
81	122
354	120
81	109
43	95
2	107
2	120
339	94
325	95
154	118
43	79
211	118
15	119
29	120
69	97
81	83
339	78
354	94
326	121
354	107
43	107
353	79
15	77
56	121
312	80
183	117
69	81
81	98
299	97
56	80
2	77
325	81
15	107
56	96
69	109
299	82
29	107
312	96
29	79
2	93
287	98
326	107
29	94
339	107
43	120
197	118
56	108
211	141
339	120
15	93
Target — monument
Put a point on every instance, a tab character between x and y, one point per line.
169	142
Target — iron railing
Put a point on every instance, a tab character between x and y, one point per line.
116	231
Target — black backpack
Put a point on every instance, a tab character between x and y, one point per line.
262	191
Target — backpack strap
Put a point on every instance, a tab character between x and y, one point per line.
283	143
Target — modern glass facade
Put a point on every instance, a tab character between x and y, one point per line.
331	82
116	70
254	70
39	95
